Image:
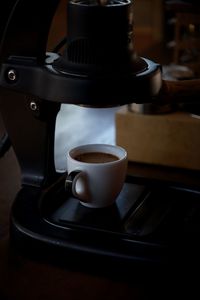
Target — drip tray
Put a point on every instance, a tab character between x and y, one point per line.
150	222
146	213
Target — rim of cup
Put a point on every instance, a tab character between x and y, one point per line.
115	150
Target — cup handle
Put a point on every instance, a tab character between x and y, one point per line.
76	184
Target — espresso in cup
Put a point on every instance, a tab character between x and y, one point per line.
96	157
96	173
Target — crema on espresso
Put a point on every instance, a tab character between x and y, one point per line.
96	157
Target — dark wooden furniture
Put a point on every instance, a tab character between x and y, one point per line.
184	17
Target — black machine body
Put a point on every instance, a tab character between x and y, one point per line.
98	67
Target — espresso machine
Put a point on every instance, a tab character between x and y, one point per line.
151	221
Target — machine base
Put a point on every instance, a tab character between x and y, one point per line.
152	223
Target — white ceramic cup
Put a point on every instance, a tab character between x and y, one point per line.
96	184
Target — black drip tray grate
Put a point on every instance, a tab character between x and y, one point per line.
110	218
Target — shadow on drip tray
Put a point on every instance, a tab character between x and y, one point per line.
167	215
104	218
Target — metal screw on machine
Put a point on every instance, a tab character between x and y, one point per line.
12	75
33	106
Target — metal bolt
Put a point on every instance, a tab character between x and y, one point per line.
33	106
12	75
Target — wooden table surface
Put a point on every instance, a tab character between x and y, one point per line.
22	278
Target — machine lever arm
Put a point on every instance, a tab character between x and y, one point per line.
181	91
